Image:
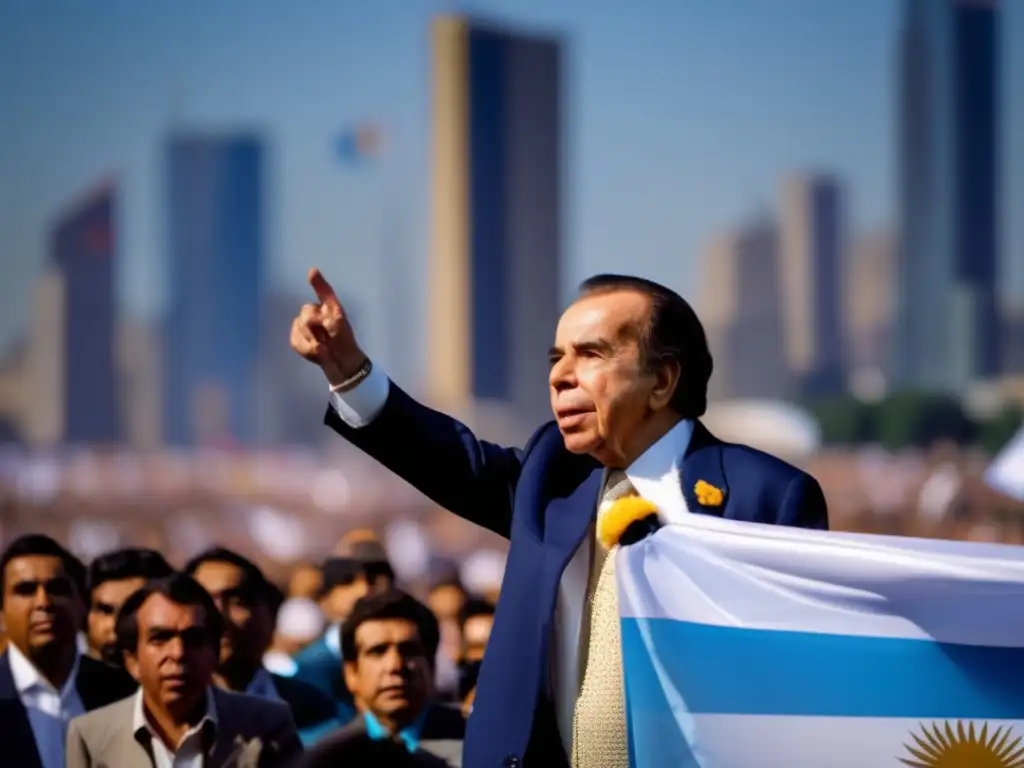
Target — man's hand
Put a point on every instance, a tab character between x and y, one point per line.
323	335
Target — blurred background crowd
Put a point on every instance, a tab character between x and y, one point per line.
836	187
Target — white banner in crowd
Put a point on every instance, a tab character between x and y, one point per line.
752	645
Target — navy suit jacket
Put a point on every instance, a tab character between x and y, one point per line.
542	499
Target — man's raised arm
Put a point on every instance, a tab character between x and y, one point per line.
431	451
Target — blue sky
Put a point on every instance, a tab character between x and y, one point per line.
683	117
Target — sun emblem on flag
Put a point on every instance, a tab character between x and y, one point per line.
942	746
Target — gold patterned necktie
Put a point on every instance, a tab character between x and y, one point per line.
599	738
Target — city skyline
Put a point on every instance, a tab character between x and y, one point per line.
649	177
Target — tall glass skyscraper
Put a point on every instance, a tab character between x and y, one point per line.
216	246
82	253
496	240
947	305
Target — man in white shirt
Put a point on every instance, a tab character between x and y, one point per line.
628	382
170	634
44	679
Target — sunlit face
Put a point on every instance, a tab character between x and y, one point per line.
248	620
446	601
107	599
175	656
600	391
476	632
391	675
42	608
338	602
305	582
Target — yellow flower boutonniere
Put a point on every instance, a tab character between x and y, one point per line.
620	514
708	495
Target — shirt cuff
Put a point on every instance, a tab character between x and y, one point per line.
360	405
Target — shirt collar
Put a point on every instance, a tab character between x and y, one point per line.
27	677
141	726
332	639
410	735
262	685
656	474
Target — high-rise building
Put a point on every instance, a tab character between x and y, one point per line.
140	356
811	243
496	240
948	324
869	305
217	241
82	306
45	377
742	314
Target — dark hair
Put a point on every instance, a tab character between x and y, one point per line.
128	563
673	334
39	545
475	607
448	582
179	588
255	586
392	604
342	571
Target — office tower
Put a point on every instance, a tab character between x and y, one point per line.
496	240
742	314
869	307
948	324
811	242
76	329
140	358
216	239
45	398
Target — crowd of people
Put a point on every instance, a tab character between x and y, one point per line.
129	660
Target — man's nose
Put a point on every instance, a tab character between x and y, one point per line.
395	661
175	648
42	598
562	375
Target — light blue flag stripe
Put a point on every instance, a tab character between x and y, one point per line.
730	670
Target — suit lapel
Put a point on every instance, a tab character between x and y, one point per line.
224	744
125	747
18	742
702	466
567	518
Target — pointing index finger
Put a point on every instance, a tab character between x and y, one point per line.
323	290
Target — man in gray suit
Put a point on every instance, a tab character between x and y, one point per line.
170	632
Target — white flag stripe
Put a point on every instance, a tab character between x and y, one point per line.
745	575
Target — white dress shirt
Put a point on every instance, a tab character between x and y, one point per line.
49	710
656	477
189	753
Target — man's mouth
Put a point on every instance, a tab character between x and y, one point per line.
569	417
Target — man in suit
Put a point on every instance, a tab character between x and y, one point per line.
390	643
248	604
628	383
112	578
44	681
357	568
169	632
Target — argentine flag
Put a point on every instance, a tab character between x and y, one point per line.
747	645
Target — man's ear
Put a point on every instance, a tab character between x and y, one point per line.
350	673
666	380
131	663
